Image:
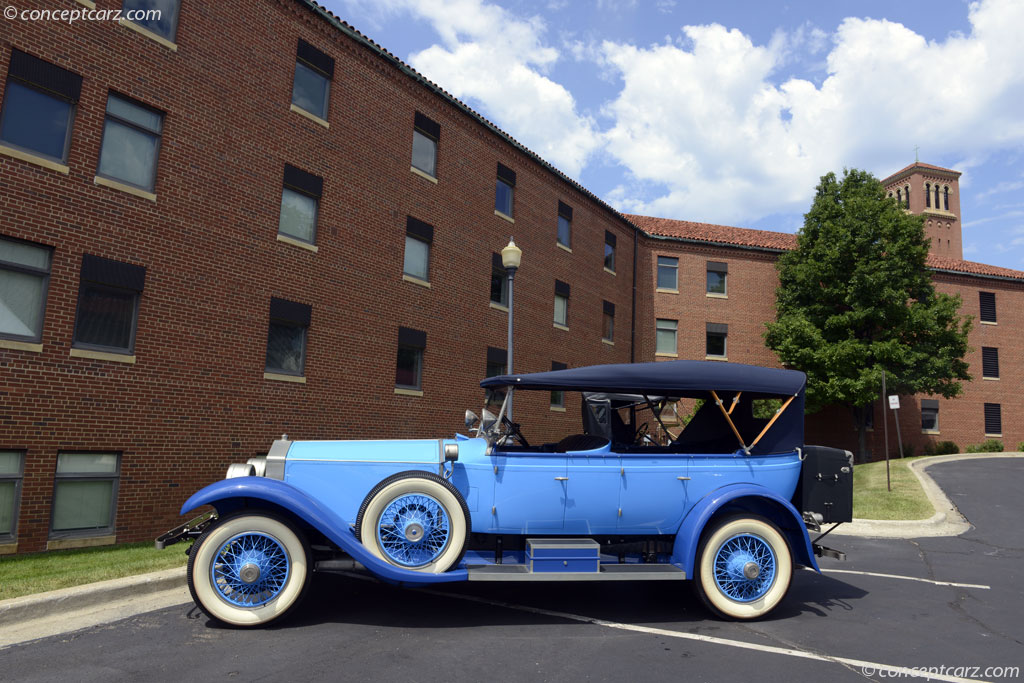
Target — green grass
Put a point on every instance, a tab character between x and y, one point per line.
27	574
872	500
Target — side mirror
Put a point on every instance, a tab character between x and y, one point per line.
487	421
471	419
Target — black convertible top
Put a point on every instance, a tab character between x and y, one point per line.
676	378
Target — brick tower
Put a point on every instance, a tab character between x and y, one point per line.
934	192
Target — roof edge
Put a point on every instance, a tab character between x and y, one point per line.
355	35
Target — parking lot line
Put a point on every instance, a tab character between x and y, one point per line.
909	578
861	666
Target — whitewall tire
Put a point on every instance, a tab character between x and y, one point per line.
744	567
416	521
249	569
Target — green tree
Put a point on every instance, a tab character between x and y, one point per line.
855	298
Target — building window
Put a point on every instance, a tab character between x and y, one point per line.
504	190
564	224
929	415
287	336
945	198
561	303
39	105
108	305
85	494
987	303
409	367
608	326
906	197
131	142
163	22
716	334
418	238
300	204
668	273
425	136
666	336
989	362
497	360
312	86
936	196
24	280
609	251
558	397
12	467
499	281
899	197
928	195
993	419
717	275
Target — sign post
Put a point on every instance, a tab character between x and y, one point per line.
885	424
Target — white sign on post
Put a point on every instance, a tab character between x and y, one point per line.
894	402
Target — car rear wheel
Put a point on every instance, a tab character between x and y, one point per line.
415	520
249	569
744	568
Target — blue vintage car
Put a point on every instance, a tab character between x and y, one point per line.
726	502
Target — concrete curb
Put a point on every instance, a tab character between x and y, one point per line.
947	520
89	595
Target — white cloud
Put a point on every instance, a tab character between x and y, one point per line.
714	120
498	63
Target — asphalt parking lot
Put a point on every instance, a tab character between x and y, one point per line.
941	602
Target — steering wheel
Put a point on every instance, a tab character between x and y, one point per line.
513	431
641	432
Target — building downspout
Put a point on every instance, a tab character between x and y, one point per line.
632	308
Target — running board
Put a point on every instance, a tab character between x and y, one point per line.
606	572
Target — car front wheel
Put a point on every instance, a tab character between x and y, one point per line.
415	520
249	569
744	568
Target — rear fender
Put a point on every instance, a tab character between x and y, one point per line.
742	498
230	494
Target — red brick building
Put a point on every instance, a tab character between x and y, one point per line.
247	219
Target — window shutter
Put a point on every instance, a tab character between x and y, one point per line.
410	337
929	404
717	328
316	59
298	314
497	356
718	267
987	300
609	238
48	76
507	174
609	308
308	183
989	361
993	418
561	288
565	210
417	228
113	273
555	365
426	125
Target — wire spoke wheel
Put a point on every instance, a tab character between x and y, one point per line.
250	569
414	530
415	520
744	567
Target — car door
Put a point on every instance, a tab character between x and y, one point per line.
592	488
529	492
653	492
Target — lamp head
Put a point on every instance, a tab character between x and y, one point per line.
511	255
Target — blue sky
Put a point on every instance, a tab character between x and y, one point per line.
729	112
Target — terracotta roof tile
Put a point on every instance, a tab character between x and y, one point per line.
707	232
784	241
918	164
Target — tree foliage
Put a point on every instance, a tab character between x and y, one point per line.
855	298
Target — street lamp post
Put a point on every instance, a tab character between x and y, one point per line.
511	256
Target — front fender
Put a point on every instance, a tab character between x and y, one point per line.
224	494
759	500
